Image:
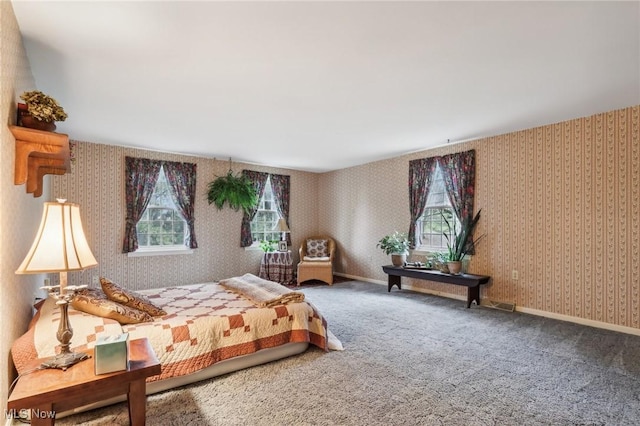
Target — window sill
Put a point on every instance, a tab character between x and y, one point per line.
427	251
160	252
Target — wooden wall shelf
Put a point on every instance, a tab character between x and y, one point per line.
39	153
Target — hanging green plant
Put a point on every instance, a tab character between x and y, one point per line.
236	190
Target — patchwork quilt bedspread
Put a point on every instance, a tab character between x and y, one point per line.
205	324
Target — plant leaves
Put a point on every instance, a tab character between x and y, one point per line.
237	191
462	242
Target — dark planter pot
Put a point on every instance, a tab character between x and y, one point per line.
32	123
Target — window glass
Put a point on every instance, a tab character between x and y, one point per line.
266	218
432	223
161	224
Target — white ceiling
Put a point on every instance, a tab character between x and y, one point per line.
321	86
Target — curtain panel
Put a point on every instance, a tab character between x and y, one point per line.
281	186
259	180
140	180
459	174
182	180
420	178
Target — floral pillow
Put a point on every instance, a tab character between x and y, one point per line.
317	248
95	302
129	298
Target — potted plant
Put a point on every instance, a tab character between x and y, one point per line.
268	246
41	112
460	243
238	191
397	245
439	261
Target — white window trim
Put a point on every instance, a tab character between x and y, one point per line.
254	247
427	251
160	251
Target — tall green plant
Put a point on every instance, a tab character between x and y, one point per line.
238	191
459	244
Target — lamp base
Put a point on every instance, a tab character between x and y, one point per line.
64	360
64	295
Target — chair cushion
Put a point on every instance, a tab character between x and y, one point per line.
317	248
316	259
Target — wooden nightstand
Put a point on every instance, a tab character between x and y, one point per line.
46	392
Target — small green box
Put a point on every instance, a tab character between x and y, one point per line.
111	353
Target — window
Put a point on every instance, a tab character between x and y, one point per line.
259	221
266	217
432	223
151	188
161	224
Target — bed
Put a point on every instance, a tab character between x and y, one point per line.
206	330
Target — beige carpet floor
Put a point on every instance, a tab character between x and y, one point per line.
416	359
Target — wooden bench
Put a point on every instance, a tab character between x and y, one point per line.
472	282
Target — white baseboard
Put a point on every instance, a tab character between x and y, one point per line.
530	311
582	321
357	278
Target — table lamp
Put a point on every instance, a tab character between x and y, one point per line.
282	227
60	246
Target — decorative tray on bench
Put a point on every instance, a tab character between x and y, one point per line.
416	265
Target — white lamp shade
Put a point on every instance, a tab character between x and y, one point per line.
281	226
60	244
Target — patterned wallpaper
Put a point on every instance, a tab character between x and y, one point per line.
96	183
560	205
19	223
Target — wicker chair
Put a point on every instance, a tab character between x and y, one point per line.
320	268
